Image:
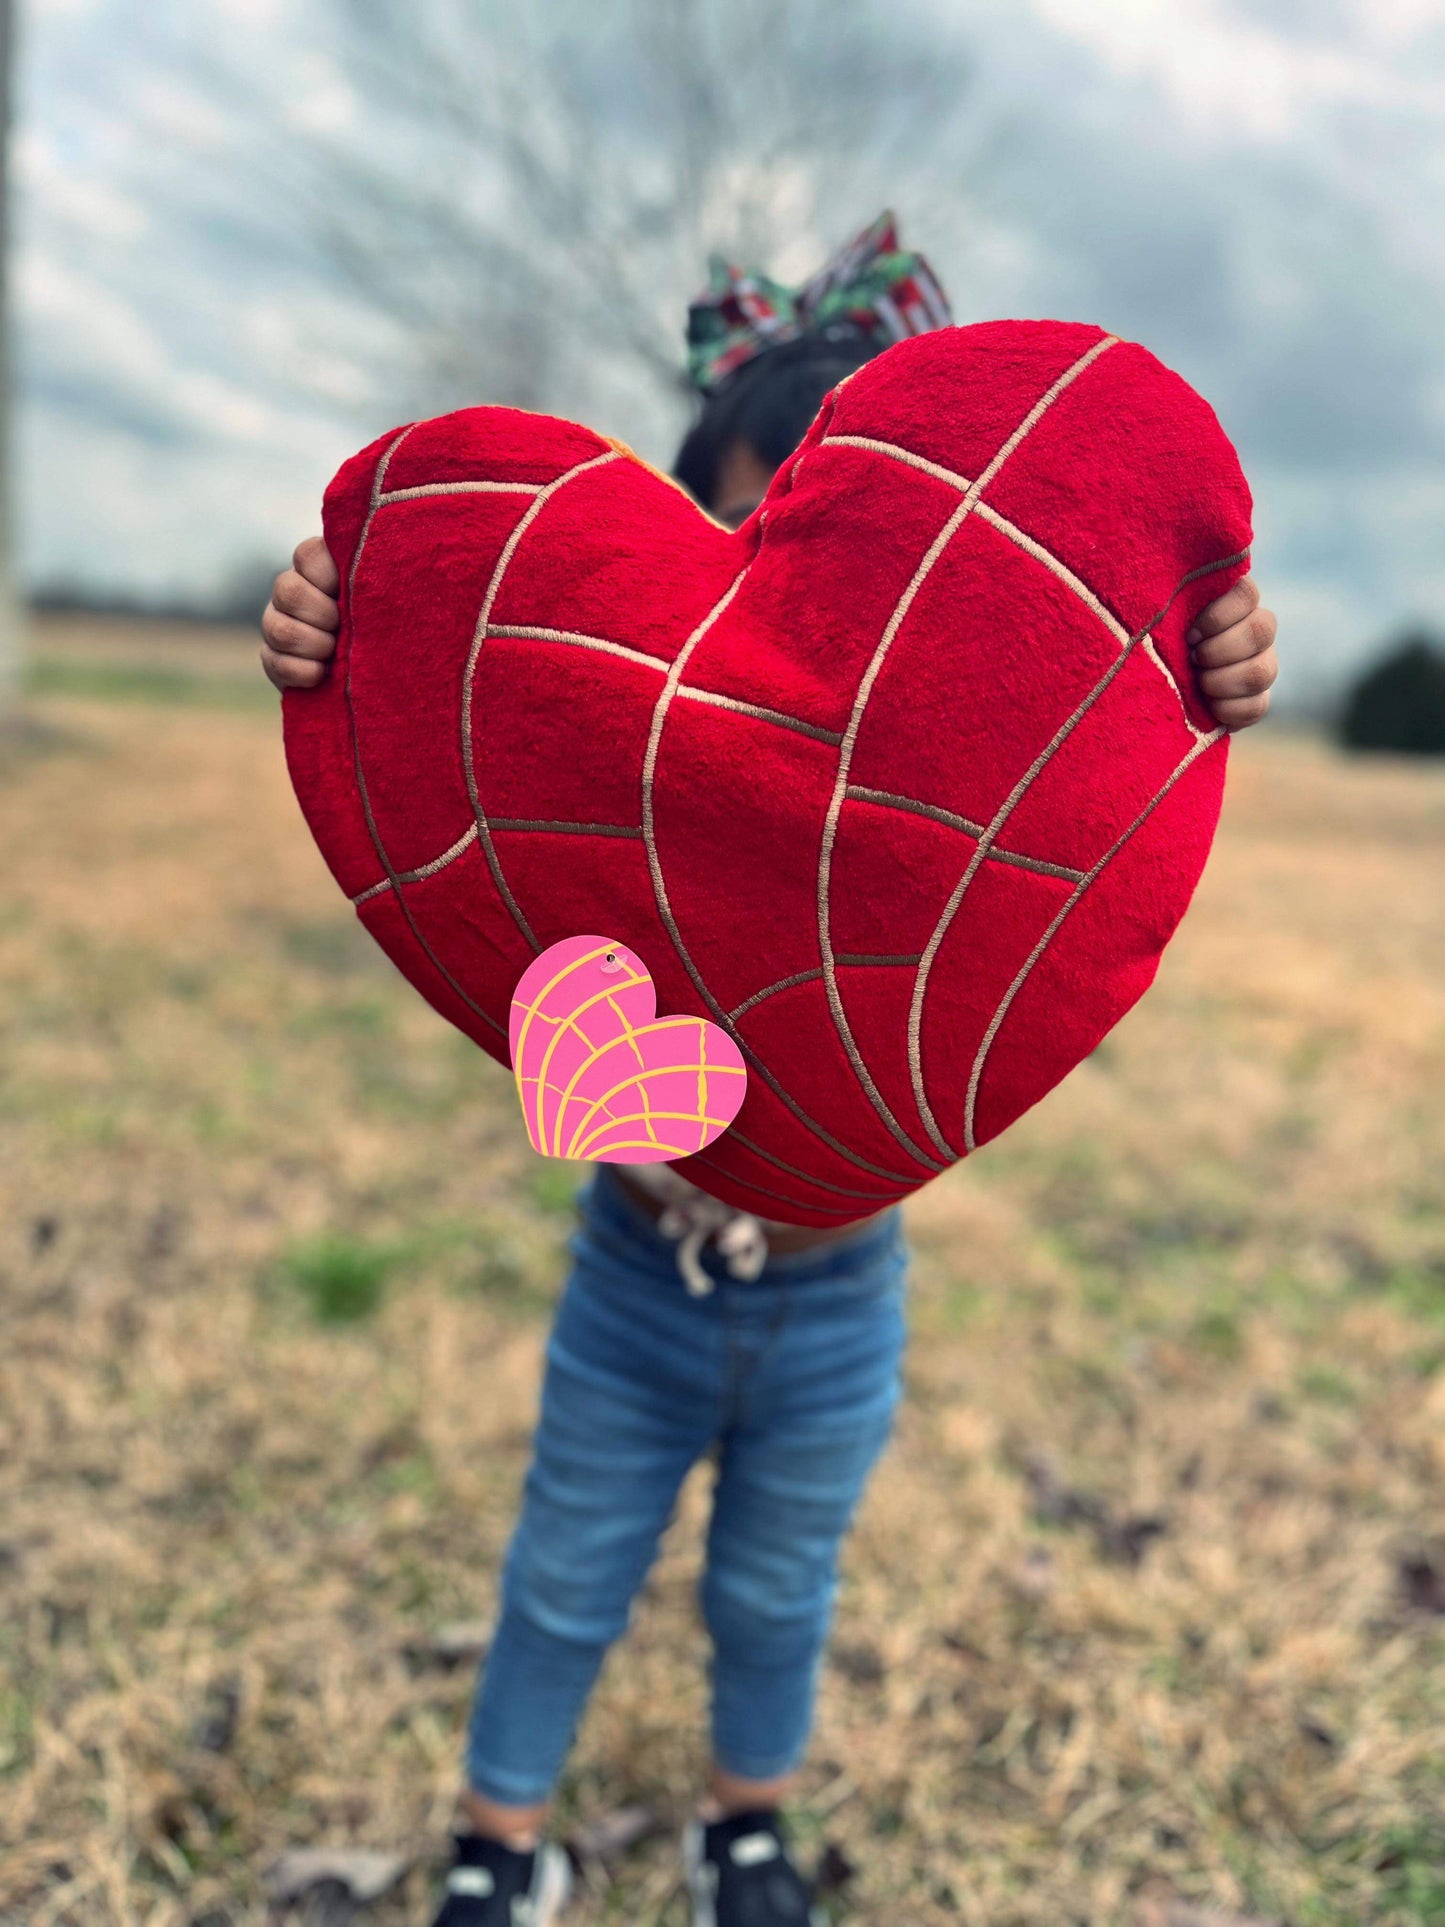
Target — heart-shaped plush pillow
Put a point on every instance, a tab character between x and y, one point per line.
905	784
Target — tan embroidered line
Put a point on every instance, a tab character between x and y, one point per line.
876	963
1047	938
1056	567
897	454
885	799
976	487
539	502
459	488
1092	601
523	633
463	842
1041	407
391	877
1001	816
469	837
811	976
1086	595
567	829
689	691
830	831
770	990
850	736
664	906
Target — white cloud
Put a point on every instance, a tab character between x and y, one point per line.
1251	186
254	13
72	196
87	338
1225	75
105	509
319	99
81	322
180	113
291	337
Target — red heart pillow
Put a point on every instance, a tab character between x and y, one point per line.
905	783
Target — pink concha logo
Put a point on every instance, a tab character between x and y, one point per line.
601	1076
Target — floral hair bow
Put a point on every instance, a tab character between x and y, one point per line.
871	287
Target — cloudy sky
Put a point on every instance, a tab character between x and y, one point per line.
1253	188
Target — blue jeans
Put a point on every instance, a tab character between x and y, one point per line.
792	1382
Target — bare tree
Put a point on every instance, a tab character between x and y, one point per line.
10	614
530	193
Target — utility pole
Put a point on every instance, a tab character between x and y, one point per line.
11	620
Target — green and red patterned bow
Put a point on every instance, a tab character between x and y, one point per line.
871	287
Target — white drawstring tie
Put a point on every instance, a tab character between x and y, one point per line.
690	1218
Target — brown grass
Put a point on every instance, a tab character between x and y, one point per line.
1124	1621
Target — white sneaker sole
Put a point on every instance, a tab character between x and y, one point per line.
700	1877
702	1881
553	1889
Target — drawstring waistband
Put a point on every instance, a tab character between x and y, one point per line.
688	1217
740	1239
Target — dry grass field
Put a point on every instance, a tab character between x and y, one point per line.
1144	1621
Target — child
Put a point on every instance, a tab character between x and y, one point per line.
686	1327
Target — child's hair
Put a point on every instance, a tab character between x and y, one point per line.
769	404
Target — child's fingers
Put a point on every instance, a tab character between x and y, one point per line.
1251	636
1242	712
1233	606
313	560
287	636
293	595
290	672
1252	677
1238	693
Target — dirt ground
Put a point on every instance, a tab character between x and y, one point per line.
1146	1611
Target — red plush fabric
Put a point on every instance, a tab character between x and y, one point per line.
906	783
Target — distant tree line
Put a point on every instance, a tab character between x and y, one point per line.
1398	701
239	598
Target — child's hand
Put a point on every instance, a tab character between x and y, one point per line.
299	627
1233	639
1234	659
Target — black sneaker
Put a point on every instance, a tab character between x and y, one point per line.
740	1874
494	1886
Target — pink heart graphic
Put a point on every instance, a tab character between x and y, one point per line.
601	1076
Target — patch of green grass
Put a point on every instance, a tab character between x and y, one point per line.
146	683
1410	1861
1216	1331
365	1017
417	1084
1419	1290
554	1184
416	1473
1326	1385
1101	1292
214	1123
336	946
340	1278
16	1731
960	1303
187	982
486	1259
